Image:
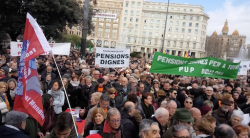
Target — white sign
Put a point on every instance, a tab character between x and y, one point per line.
57	48
105	15
246	119
112	58
244	65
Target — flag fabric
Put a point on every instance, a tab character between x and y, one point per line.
28	95
187	54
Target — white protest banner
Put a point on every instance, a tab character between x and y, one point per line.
57	48
244	65
112	58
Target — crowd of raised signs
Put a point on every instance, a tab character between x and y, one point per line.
124	102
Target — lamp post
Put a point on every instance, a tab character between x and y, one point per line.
84	27
165	28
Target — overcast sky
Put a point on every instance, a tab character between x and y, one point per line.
237	12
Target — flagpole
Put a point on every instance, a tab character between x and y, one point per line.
65	94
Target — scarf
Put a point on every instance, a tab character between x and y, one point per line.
148	110
12	93
4	99
2	77
74	83
54	93
107	129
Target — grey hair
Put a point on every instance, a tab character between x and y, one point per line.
112	112
85	71
161	112
145	126
136	70
238	113
189	98
177	128
169	102
224	131
88	78
105	97
164	104
210	87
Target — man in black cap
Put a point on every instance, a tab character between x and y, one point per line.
4	71
223	113
100	87
41	64
14	74
65	68
15	124
229	89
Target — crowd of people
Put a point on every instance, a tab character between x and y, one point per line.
124	102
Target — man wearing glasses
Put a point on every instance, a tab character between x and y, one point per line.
173	95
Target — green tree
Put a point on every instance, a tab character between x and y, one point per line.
51	15
90	44
135	55
73	39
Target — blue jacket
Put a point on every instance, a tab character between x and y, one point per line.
7	131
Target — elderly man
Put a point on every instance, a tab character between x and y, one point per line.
112	126
103	103
149	129
125	86
111	80
171	106
95	77
223	114
196	113
180	131
129	123
207	96
48	71
15	124
224	131
4	71
100	87
161	117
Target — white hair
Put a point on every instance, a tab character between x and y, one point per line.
161	112
238	113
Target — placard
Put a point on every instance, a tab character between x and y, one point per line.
244	65
111	58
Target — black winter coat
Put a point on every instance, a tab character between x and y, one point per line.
85	95
200	100
129	124
92	126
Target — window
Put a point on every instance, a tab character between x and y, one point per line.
183	30
159	8
153	7
170	29
189	30
190	25
184	17
134	39
197	25
93	19
178	9
145	21
164	15
191	17
138	5
164	21
184	10
152	21
182	36
147	6
191	10
149	41
125	19
151	27
106	35
115	25
163	28
146	14
152	15
132	5
108	25
183	24
175	36
157	28
177	23
132	13
198	18
171	16
168	43
176	29
106	43
174	43
144	33
169	35
196	31
100	24
194	45
156	34
131	19
129	38
116	20
135	32
145	27
126	4
159	15
126	12
172	9
107	30
114	31
143	41
108	20
124	25
100	29
158	21
181	44
195	37
177	16
150	33
138	13
136	26
137	20
171	23
101	19
187	45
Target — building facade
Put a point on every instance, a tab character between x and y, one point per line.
224	46
139	25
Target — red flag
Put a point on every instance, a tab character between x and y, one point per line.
28	95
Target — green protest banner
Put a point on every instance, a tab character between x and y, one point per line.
199	67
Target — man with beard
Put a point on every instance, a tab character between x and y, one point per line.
223	113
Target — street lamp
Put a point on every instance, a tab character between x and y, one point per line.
165	28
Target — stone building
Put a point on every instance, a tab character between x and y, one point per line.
224	46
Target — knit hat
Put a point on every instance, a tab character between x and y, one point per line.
100	80
204	110
15	118
6	70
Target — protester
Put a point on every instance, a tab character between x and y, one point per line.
57	95
204	128
14	125
224	131
180	131
236	118
223	114
188	104
146	105
161	117
242	131
4	103
149	129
